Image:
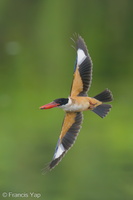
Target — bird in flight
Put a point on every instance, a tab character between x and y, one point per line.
77	102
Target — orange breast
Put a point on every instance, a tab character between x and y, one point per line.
86	103
82	103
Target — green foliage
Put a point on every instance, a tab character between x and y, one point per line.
36	66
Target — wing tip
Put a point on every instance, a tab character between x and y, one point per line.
51	165
75	37
79	43
66	143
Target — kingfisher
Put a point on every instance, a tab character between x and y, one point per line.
77	102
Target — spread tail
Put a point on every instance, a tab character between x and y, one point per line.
103	109
105	96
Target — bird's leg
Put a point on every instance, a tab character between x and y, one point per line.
94	103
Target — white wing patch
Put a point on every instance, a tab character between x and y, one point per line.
59	151
81	56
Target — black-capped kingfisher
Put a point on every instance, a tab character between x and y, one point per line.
77	102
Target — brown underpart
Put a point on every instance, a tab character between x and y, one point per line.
94	103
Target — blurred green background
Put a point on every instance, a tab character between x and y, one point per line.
36	66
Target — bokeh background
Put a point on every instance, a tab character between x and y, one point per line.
36	66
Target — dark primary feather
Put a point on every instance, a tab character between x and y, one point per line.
70	137
80	44
85	69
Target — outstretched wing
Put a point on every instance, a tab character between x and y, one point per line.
71	127
83	70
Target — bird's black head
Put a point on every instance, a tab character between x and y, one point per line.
55	103
61	101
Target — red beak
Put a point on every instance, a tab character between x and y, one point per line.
50	105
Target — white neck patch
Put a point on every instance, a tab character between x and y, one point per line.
81	56
66	105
